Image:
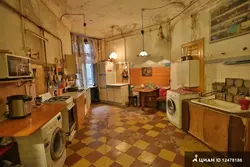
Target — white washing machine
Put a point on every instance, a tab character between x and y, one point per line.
174	105
45	147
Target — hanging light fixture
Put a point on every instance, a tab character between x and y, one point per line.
113	55
143	52
85	35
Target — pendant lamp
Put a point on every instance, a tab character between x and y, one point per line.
113	55
143	53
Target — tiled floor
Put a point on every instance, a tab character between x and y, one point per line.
115	137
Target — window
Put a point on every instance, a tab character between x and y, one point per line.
90	76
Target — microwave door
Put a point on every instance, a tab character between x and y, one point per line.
18	67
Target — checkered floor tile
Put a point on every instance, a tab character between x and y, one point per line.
123	137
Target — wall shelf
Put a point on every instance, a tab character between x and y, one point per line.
15	81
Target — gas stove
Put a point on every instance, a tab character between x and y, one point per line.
60	99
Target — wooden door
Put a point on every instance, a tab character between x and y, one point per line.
216	129
80	111
196	121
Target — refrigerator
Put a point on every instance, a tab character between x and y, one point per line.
106	75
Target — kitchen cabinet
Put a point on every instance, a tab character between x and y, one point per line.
80	111
103	94
216	124
110	94
206	123
224	132
70	64
189	71
117	93
196	121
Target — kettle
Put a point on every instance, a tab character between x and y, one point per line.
19	106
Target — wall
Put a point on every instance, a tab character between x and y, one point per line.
12	34
232	47
132	46
160	76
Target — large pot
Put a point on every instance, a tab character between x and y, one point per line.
19	106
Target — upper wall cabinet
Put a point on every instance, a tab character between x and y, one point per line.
53	49
70	64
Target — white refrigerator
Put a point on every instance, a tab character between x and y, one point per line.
106	75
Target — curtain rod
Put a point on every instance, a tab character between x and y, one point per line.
73	33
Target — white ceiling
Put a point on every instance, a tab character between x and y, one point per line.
102	14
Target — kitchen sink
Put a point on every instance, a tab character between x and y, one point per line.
221	105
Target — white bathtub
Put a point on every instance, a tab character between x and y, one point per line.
221	105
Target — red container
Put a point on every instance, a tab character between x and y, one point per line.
244	104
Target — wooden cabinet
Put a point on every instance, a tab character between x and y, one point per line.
80	111
70	64
221	131
196	121
117	95
110	94
103	94
215	126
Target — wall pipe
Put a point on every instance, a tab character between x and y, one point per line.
27	18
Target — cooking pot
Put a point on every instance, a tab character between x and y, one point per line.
19	106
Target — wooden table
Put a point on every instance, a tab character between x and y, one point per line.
145	93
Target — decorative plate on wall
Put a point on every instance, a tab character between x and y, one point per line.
146	71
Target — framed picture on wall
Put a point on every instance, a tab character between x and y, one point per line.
146	71
230	19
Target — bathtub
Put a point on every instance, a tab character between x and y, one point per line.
221	105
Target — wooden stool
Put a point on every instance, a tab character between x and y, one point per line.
161	99
132	100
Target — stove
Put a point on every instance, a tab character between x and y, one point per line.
60	99
68	116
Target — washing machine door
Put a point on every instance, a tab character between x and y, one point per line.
171	106
57	145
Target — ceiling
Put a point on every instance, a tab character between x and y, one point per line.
125	15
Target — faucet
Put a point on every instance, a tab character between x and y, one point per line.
200	95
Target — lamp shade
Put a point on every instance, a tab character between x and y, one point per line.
113	55
143	54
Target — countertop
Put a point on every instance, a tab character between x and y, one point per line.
117	84
143	90
26	126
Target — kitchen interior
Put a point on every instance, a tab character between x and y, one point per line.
124	83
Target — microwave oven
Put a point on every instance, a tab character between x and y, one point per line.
12	66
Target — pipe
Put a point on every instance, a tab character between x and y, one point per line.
74	14
171	3
27	18
36	35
